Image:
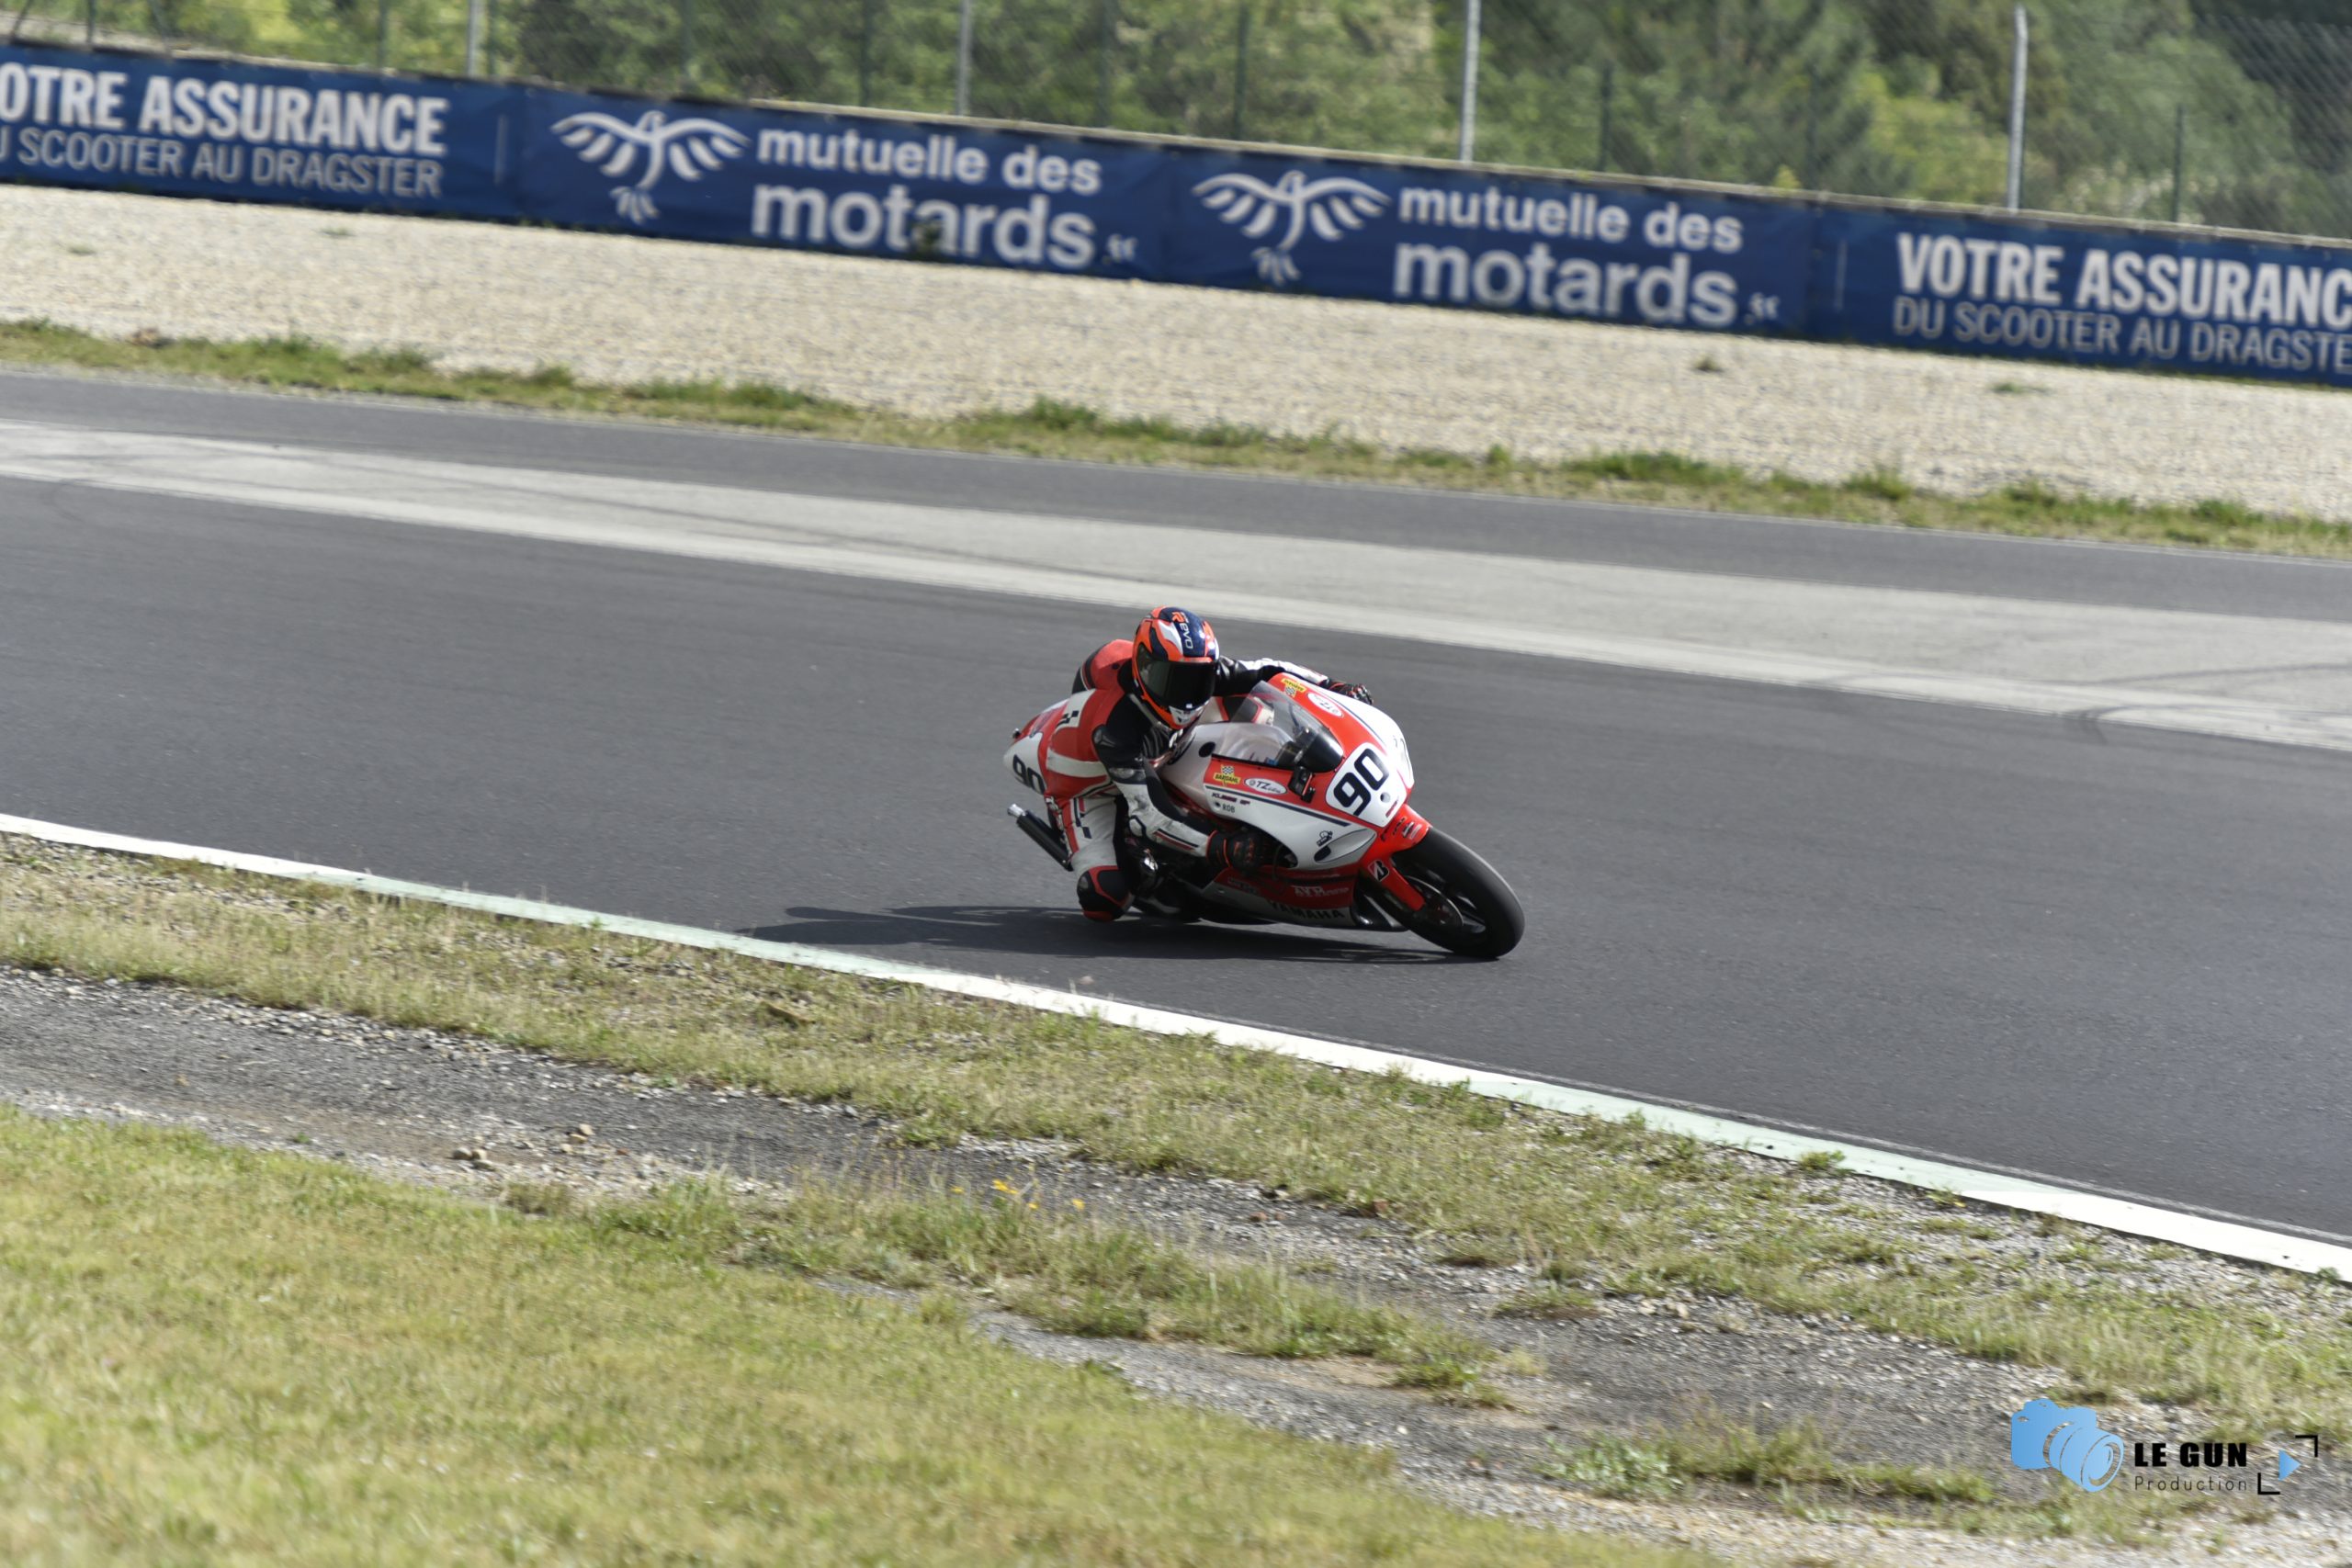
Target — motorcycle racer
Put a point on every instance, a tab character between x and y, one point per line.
1140	692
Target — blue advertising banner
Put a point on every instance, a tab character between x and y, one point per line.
256	133
1493	241
2045	291
1333	227
943	190
845	183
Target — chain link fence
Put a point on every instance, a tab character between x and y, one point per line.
2230	112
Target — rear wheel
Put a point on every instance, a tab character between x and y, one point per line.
1467	908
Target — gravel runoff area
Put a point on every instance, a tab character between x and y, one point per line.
417	1105
947	339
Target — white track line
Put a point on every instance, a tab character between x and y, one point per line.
1912	645
2221	1237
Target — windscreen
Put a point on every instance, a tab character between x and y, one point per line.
1308	744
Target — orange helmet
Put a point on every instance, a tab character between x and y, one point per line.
1175	664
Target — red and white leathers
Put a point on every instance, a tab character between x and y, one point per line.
1095	755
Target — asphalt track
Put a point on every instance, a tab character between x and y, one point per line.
2111	959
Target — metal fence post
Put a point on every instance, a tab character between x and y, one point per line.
963	57
2179	154
865	54
1470	52
1608	101
1240	68
685	44
89	24
1812	180
1103	65
2017	116
473	37
383	34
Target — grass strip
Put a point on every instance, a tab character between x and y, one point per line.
1068	1273
1050	429
1597	1205
1798	1455
220	1355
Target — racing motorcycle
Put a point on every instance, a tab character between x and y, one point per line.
1328	778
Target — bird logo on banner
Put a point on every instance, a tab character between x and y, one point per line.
1328	206
687	148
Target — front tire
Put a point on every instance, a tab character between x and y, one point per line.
1470	910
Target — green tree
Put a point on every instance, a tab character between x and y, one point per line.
1887	97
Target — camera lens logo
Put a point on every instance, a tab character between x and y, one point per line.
2066	1439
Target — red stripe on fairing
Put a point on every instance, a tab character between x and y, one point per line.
1405	829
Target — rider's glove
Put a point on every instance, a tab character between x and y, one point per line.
1352	690
1240	849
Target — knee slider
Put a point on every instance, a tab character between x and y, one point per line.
1102	893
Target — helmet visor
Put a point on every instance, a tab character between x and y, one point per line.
1179	687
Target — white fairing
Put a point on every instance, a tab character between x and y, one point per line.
1318	837
1026	760
1392	741
1027	757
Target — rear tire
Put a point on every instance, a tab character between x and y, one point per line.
1470	910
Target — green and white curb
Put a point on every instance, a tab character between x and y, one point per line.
2221	1237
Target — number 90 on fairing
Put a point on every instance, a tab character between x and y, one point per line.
1361	787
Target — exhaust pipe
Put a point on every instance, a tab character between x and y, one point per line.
1040	833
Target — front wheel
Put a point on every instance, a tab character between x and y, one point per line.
1468	908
